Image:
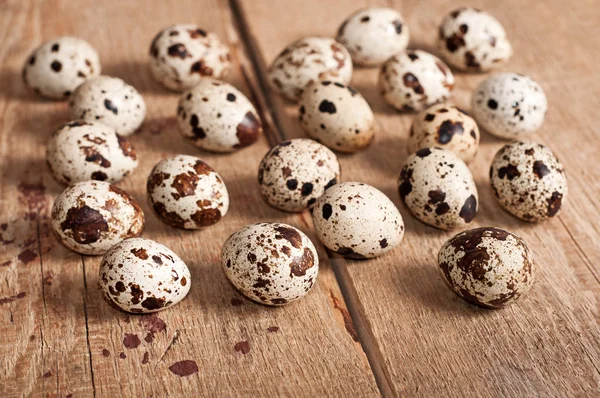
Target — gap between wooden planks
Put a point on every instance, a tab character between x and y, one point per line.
431	342
61	338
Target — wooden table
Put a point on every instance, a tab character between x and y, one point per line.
387	326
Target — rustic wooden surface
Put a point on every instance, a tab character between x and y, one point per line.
387	326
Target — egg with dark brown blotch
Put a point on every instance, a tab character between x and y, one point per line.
185	192
271	263
142	276
529	181
489	267
92	216
438	188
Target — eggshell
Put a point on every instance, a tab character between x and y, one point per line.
489	267
57	67
271	263
92	216
307	60
372	35
357	221
473	40
141	276
445	126
183	54
293	174
438	188
111	101
337	116
217	117
80	151
414	80
528	181
185	192
509	105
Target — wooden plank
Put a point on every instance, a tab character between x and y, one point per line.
60	337
431	342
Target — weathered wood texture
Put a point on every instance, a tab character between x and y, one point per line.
415	337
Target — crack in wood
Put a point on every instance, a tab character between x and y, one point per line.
171	344
87	328
588	263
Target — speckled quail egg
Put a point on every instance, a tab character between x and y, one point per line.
357	221
489	267
182	55
414	80
337	116
509	105
56	68
111	101
92	216
473	40
271	263
307	60
445	126
217	117
81	151
373	35
185	192
528	181
141	276
438	188
293	174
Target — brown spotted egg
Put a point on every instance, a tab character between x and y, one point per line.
489	267
337	116
111	101
509	105
81	151
372	35
271	263
445	126
182	55
473	40
293	174
307	60
185	192
141	276
217	117
56	68
438	188
414	80
528	181
357	221
92	216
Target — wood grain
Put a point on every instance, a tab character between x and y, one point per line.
431	342
386	326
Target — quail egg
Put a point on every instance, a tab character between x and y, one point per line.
56	68
217	117
489	267
473	40
185	192
92	216
80	151
271	263
293	174
528	181
509	105
414	80
182	55
337	116
373	35
438	188
307	60
445	126
140	276
111	101
357	221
